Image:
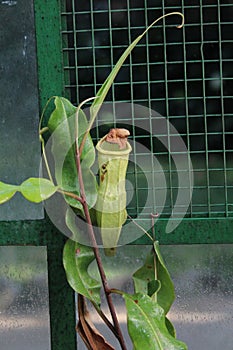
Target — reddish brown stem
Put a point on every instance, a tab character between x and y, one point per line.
107	290
72	195
153	216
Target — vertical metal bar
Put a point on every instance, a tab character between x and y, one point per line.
93	46
186	107
222	109
132	112
49	47
111	57
61	299
51	82
75	50
154	208
94	58
171	204
205	112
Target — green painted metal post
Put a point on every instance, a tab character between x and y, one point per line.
51	82
49	49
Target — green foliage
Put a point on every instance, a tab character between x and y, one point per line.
33	189
76	259
66	127
147	325
7	192
153	279
154	274
37	189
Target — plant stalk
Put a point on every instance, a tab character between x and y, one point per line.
105	319
107	290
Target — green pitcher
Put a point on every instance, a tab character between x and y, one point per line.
113	154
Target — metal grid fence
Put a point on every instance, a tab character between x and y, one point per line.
186	75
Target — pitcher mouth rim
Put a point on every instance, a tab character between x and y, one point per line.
122	152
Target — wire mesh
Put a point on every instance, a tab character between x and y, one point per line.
185	75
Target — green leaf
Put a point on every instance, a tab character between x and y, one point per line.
170	327
62	124
73	222
90	186
76	260
145	274
7	192
63	109
153	287
146	325
166	294
154	269
37	189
